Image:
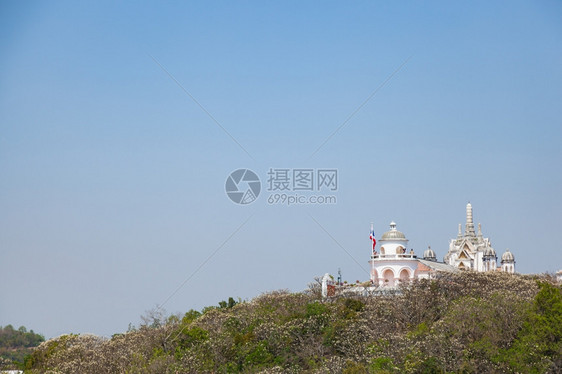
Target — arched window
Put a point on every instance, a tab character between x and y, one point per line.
388	277
404	275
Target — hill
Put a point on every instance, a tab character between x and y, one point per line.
469	322
16	344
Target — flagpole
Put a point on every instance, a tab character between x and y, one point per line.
372	261
372	233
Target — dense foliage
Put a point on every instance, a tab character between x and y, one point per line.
16	344
465	323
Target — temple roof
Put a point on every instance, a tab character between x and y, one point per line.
439	266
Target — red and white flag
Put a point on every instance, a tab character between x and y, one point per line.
372	237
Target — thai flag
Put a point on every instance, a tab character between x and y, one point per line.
372	237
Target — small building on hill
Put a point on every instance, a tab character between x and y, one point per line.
393	264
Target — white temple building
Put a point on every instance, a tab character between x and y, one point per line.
393	264
472	251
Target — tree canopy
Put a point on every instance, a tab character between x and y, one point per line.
468	322
16	344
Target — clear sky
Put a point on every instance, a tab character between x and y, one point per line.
112	178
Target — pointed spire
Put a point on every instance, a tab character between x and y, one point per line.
479	230
459	235
469	223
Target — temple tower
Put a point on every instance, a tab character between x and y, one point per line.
469	229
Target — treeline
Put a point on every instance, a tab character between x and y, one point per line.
459	323
16	344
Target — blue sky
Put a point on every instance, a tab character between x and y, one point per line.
112	177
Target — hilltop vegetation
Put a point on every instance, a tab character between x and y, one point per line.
465	323
16	344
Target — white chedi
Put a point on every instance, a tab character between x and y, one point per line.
472	251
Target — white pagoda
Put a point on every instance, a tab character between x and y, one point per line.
472	251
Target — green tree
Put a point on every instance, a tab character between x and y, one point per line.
538	347
16	344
